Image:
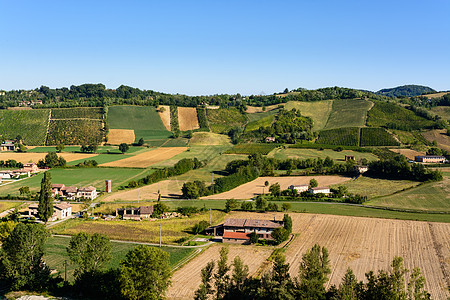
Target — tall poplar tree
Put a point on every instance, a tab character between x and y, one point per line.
45	208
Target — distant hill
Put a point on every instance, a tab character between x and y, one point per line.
406	91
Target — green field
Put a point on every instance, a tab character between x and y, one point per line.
77	112
75	132
144	120
252	149
209	138
223	119
178	142
319	111
348	113
263	122
429	197
348	136
294	153
390	115
56	254
30	124
442	111
100	149
4	205
376	137
79	177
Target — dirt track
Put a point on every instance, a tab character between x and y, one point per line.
256	187
146	159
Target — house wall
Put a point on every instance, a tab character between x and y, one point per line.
236	241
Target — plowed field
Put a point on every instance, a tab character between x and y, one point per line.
365	244
255	187
118	136
409	153
165	115
187	118
167	188
35	157
146	159
187	279
438	135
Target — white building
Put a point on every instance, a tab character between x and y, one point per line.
319	190
299	188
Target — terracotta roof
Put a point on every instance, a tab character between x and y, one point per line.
62	205
234	222
146	209
70	189
88	189
236	235
58	185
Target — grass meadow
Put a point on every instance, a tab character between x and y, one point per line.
348	113
56	254
319	111
299	153
223	119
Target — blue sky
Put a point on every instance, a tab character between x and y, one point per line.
209	47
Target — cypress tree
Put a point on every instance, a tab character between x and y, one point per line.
45	208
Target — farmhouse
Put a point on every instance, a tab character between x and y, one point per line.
430	159
135	213
72	192
7	174
319	190
8	145
299	188
30	167
361	169
89	192
270	139
237	231
61	211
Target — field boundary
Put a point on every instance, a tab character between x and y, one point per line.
48	126
438	248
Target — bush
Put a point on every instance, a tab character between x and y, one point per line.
200	227
247	206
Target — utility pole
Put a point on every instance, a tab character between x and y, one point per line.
212	177
160	234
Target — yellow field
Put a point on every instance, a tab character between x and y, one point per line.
258	109
187	118
409	153
209	138
35	157
146	159
167	188
165	115
256	187
118	136
436	95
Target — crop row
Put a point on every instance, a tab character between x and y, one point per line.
78	112
376	137
263	149
31	125
75	132
348	136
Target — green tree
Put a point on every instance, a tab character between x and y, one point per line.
434	151
45	207
287	221
275	189
285	206
51	160
231	204
123	148
261	203
239	275
280	235
205	288
200	227
313	183
145	273
222	279
24	190
416	286
89	252
190	190
59	148
21	255
254	237
247	205
159	208
140	142
6	227
349	289
313	273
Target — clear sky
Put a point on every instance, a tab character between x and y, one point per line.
208	47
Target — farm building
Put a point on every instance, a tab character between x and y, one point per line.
430	159
14	174
319	190
135	213
270	139
349	157
61	211
299	188
237	231
30	167
72	192
361	169
8	145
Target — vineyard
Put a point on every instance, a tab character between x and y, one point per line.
263	149
377	137
77	113
340	136
202	120
348	113
390	115
75	132
223	119
174	119
30	124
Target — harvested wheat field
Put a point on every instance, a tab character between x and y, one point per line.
146	159
187	118
35	157
365	244
187	279
167	188
255	187
440	136
409	153
119	136
209	138
165	115
258	109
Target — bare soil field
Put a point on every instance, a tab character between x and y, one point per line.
438	135
409	153
35	157
255	187
165	115
20	108
167	188
187	118
365	244
118	136
187	279
146	159
258	109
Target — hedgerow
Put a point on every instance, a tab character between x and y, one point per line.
202	119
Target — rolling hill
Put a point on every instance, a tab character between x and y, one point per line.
406	91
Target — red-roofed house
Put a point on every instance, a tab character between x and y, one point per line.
238	231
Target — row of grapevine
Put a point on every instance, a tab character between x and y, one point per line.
75	132
376	137
78	113
348	136
31	125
